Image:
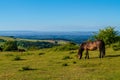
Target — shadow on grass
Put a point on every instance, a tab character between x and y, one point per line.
27	68
19	60
107	56
113	55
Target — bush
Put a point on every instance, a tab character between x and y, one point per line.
116	47
10	46
108	35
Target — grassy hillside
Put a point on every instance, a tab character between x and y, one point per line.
48	64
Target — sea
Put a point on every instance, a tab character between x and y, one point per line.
74	36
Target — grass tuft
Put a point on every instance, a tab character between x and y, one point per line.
74	62
64	64
41	53
17	58
66	57
26	68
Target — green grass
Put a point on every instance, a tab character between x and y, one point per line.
59	65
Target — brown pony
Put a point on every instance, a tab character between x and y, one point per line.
98	44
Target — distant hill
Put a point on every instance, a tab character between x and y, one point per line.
76	37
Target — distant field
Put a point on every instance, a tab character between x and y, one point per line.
48	64
7	38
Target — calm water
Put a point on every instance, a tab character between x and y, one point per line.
77	37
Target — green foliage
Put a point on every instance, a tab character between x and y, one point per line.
67	47
116	46
30	45
27	44
109	35
10	46
2	40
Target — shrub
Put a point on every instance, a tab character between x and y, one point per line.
116	47
10	46
108	35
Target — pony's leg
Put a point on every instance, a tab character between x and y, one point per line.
100	56
87	54
103	53
80	56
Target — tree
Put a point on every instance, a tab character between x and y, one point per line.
108	35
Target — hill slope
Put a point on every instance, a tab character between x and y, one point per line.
48	64
32	44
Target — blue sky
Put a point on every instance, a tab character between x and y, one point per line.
59	15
